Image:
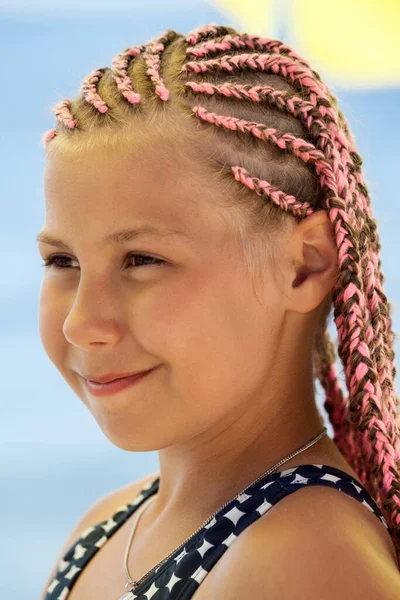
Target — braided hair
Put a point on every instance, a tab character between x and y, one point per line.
279	143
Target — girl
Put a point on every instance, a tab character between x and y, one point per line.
205	211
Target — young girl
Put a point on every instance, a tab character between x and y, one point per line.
205	211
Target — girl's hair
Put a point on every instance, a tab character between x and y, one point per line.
259	118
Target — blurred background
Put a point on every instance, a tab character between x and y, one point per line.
54	459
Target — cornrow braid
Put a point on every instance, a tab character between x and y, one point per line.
263	188
303	109
229	42
209	31
89	90
120	64
277	63
301	76
304	151
152	58
253	42
277	136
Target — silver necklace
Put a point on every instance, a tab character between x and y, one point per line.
131	585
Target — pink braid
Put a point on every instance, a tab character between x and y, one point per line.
89	90
120	64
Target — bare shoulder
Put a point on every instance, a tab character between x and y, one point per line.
100	510
315	543
104	507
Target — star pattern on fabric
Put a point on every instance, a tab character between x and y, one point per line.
204	547
153	589
79	552
358	488
181	555
200	575
300	479
330	477
101	541
108	525
87	532
52	585
72	572
172	581
63	594
62	565
243	497
264	506
234	514
179	576
230	539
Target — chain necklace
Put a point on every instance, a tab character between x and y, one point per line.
131	585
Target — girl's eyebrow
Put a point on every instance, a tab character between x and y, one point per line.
119	237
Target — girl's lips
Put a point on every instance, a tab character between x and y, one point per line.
105	389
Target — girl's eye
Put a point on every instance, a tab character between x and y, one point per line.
51	262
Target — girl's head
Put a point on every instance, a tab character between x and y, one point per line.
234	148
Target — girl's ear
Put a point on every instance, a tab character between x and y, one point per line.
313	260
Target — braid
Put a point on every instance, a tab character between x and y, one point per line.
89	90
286	114
232	42
152	58
120	64
298	74
362	317
211	30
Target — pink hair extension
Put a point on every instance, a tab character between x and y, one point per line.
152	58
200	33
302	109
47	136
310	115
63	114
308	153
286	202
374	304
258	62
119	70
295	144
89	90
230	42
365	423
335	404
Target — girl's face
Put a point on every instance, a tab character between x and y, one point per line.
190	308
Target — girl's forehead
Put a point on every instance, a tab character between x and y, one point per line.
153	179
151	164
147	188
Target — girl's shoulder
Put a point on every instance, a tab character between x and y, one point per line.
311	538
106	506
99	511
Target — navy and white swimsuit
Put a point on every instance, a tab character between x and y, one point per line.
180	576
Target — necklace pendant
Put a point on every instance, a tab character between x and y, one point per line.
129	587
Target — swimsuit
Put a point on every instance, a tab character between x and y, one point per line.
180	576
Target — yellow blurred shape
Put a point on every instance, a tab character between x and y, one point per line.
356	42
252	16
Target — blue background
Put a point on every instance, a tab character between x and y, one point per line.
54	459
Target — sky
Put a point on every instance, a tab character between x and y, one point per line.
47	8
54	460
